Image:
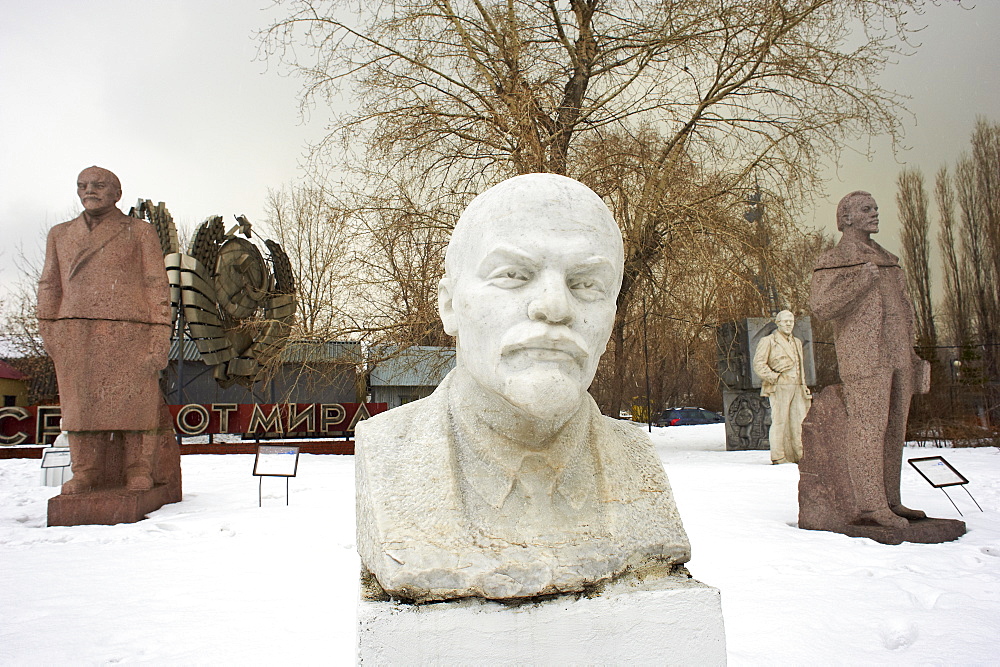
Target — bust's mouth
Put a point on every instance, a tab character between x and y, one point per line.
541	348
545	354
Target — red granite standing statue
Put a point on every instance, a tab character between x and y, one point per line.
104	316
853	436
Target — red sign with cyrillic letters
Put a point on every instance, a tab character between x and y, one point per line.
40	423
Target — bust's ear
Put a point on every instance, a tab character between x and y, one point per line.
446	307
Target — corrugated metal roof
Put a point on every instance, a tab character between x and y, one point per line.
297	351
418	366
190	350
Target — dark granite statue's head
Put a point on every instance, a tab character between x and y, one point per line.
99	190
859	210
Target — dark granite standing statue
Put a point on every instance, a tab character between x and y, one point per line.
104	316
853	436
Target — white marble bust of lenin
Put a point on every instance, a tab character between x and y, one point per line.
508	482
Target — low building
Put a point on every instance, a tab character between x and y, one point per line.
13	385
403	376
309	372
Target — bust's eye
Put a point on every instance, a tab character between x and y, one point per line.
587	288
509	277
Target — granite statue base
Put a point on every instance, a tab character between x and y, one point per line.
924	531
826	492
110	506
653	619
110	502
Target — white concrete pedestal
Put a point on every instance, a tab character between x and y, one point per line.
665	620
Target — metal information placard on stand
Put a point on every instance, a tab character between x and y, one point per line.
939	474
275	461
56	457
56	463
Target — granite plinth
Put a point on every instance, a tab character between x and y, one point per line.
110	506
652	620
110	500
923	531
827	498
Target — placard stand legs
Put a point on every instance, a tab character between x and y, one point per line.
953	502
260	490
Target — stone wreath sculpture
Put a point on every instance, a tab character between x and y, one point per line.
237	307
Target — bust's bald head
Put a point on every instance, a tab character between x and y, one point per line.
548	196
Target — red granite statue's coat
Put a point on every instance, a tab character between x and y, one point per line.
103	301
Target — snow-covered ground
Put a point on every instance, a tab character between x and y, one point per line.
217	580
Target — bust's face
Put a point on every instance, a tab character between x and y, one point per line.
532	303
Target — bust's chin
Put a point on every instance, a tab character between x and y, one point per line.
545	394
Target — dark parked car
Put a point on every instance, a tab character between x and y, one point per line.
688	416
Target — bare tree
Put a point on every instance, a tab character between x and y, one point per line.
509	87
695	101
401	259
979	187
20	329
956	306
315	234
968	205
986	158
912	201
974	247
977	276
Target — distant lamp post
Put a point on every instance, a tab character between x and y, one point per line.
763	281
755	212
956	367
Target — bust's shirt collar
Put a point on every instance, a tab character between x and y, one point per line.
492	461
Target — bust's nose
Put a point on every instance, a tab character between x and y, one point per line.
551	303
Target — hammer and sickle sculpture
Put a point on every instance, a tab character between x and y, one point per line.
238	307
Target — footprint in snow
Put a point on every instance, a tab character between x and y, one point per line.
898	633
166	526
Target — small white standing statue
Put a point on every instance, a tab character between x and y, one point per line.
507	481
779	363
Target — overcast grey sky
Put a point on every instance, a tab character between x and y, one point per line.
167	94
164	93
952	78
